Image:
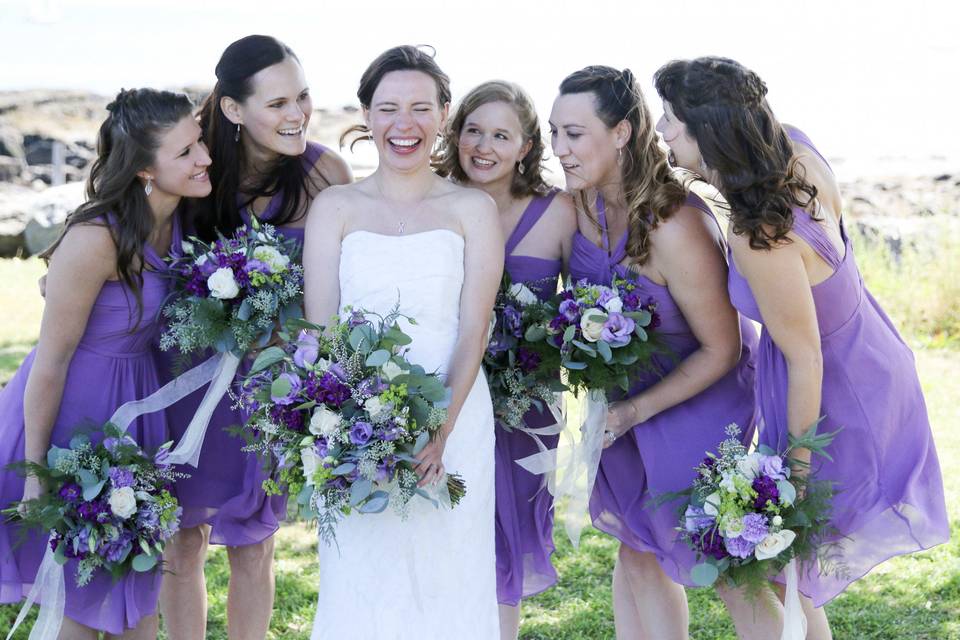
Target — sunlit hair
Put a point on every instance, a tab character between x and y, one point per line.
402	58
238	64
127	144
651	191
528	183
724	107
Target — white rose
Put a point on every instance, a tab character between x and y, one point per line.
324	422
123	502
222	284
186	247
310	461
377	410
391	370
749	466
774	544
277	261
711	505
614	305
522	294
592	325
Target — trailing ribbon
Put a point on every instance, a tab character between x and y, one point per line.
49	582
794	620
575	465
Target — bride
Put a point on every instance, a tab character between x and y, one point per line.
404	234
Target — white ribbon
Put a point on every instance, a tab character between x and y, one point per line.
219	370
575	465
794	620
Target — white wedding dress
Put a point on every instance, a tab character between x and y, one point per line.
430	576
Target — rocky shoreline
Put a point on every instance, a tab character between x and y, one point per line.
47	141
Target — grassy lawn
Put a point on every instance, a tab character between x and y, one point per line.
915	597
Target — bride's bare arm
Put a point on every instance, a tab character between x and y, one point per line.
321	257
483	266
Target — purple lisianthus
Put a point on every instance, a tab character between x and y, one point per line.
512	321
696	519
120	477
372	387
360	433
772	466
631	300
308	349
390	432
739	547
291	395
570	310
113	445
386	469
754	528
71	492
767	490
527	360
257	265
710	544
356	319
617	329
118	549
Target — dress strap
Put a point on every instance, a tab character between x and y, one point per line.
816	236
799	136
602	220
528	219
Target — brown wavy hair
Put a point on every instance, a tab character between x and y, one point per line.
724	106
651	190
528	183
403	58
126	144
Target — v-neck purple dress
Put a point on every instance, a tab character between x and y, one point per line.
113	364
889	497
524	510
225	490
658	456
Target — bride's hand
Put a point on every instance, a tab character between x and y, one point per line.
430	467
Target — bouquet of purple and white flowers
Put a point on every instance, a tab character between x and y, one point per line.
343	416
232	293
515	374
747	516
108	505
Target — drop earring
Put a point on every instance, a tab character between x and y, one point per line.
148	188
520	168
236	136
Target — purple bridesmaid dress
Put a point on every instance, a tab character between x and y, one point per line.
524	510
658	456
885	469
225	490
114	363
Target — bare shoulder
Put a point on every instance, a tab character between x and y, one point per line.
686	228
332	168
563	211
472	207
88	246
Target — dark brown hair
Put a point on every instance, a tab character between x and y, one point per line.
403	58
528	183
221	211
650	189
724	107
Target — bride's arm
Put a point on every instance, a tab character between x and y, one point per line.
482	266
321	257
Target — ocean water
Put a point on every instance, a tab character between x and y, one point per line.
875	85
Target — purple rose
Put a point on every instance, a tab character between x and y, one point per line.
291	395
120	477
360	433
71	492
696	519
739	547
754	528
766	489
512	321
527	360
308	349
772	466
570	310
617	329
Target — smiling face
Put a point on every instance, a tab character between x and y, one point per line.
404	118
586	148
179	167
275	116
491	143
684	151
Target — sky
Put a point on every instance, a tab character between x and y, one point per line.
874	84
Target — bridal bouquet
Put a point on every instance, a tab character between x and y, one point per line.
107	505
747	516
343	417
232	293
515	374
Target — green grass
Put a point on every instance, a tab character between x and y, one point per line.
915	597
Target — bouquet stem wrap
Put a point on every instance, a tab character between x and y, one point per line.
49	586
794	620
577	464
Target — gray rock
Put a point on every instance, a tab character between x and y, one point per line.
10	169
11	143
31	220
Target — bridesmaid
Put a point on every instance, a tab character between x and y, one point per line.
103	294
637	221
493	143
827	348
255	123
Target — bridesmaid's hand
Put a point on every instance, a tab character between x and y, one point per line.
621	417
32	489
430	467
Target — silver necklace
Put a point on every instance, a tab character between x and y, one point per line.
402	223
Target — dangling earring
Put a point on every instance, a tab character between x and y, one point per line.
236	136
148	188
520	168
620	155
703	166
